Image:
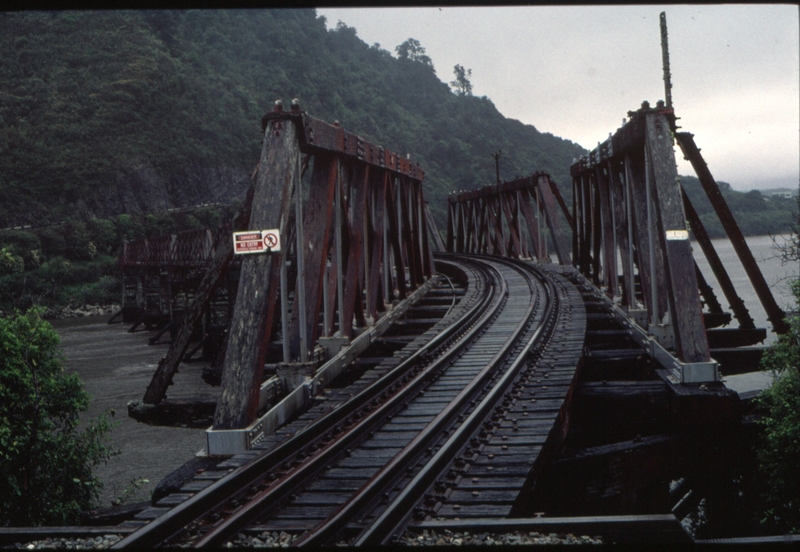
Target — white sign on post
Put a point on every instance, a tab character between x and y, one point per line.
256	241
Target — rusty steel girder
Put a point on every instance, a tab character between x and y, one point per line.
490	219
316	136
193	248
628	204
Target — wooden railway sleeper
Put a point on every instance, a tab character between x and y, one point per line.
216	538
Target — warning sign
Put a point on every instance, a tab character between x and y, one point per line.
256	241
272	239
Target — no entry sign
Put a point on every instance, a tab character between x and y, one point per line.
256	241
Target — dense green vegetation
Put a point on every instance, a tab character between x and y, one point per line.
779	453
755	213
100	109
779	456
46	456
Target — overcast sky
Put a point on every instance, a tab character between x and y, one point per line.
576	71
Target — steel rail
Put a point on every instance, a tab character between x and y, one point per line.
396	514
321	534
267	498
234	486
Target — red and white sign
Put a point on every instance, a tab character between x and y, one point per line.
256	241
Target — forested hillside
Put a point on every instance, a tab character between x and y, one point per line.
138	111
755	213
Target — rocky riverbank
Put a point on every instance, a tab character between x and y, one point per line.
79	311
75	311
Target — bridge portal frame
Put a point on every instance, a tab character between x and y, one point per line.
359	223
630	210
507	219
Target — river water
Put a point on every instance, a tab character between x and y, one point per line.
116	367
776	275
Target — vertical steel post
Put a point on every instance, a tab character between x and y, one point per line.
300	288
366	241
285	309
338	240
539	227
612	207
629	217
665	60
654	314
386	266
326	315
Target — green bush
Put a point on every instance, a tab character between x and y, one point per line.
779	453
103	234
46	455
104	291
9	262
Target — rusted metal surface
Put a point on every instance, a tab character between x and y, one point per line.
628	205
692	153
371	196
490	219
316	136
372	199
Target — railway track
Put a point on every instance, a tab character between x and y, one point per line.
455	429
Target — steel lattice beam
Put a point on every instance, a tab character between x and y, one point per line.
490	219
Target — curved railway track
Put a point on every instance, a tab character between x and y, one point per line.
398	452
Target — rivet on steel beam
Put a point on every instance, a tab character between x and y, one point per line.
660	103
295	105
278	105
645	105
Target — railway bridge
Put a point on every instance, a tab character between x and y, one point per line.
536	368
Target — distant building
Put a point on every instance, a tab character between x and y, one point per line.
781	192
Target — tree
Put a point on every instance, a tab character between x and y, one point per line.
779	453
10	263
462	85
412	50
46	458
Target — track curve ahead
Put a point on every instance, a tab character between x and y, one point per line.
460	427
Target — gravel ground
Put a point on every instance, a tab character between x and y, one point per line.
266	539
449	538
91	543
431	538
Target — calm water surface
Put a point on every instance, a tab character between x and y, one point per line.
776	275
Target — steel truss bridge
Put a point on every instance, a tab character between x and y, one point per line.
377	379
540	367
